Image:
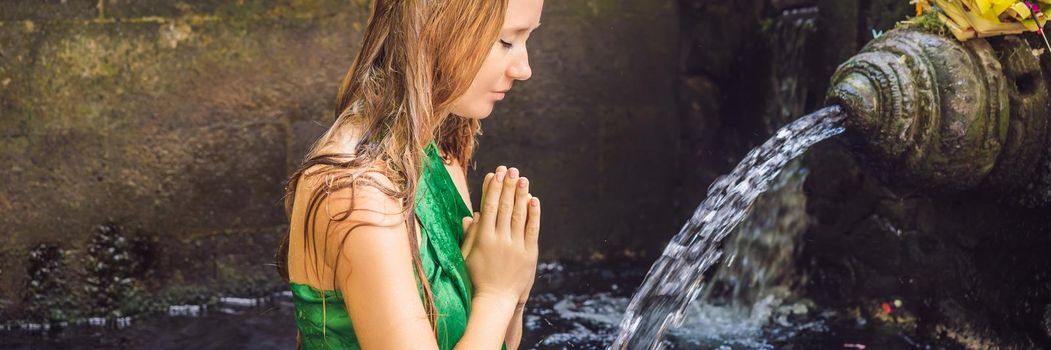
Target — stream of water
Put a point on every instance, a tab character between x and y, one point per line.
676	279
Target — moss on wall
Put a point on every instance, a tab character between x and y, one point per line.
172	121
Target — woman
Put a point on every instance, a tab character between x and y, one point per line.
383	251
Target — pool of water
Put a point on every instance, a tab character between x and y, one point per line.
574	306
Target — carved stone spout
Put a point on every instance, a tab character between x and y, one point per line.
930	112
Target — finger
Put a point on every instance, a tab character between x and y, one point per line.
492	199
467	220
507	201
468	241
518	217
532	230
485	185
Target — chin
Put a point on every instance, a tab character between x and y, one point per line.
477	110
480	113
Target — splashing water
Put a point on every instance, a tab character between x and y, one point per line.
675	279
750	300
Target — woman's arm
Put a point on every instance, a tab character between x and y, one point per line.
373	268
375	274
487	322
513	338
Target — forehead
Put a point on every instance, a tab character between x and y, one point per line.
523	14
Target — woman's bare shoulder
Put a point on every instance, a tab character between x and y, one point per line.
362	195
356	213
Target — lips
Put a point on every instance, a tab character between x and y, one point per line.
499	94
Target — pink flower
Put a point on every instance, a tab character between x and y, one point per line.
1033	6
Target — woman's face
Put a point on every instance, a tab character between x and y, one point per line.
507	61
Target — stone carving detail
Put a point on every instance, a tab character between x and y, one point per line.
928	111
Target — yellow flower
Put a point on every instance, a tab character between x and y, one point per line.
991	9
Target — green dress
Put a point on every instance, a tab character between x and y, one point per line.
440	209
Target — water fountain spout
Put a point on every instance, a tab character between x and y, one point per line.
929	112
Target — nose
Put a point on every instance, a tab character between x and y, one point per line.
520	70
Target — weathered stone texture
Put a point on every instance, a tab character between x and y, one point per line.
176	124
181	120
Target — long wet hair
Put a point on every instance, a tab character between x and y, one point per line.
416	58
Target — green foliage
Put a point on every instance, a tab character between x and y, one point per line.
185	294
246	282
109	267
929	22
48	296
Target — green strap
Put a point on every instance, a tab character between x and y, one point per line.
443	211
440	207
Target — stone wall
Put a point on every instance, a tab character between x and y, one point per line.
174	124
595	128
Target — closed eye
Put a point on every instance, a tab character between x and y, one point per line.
506	45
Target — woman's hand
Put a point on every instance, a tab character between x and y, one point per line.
500	243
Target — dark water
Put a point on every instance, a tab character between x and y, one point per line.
574	306
217	326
